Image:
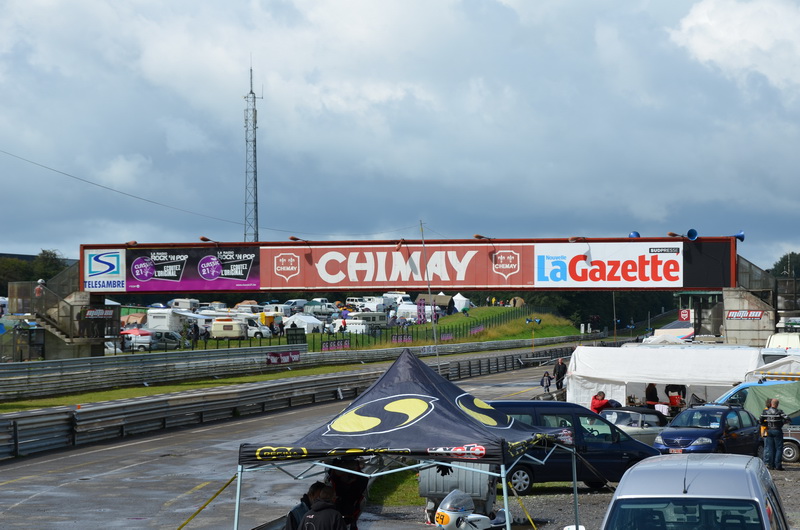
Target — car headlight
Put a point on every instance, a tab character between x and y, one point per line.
658	440
702	441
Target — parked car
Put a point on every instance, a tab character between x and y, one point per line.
711	429
696	491
605	451
155	340
296	305
641	423
738	394
791	443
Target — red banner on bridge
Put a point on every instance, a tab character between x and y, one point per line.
411	266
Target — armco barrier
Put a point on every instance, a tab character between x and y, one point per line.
66	376
26	433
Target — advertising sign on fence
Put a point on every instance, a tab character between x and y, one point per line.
335	344
283	357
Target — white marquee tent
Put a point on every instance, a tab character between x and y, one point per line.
303	321
707	370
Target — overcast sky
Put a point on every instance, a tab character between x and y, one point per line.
508	118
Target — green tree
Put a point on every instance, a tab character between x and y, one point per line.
13	270
47	264
787	266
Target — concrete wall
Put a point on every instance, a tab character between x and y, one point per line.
747	331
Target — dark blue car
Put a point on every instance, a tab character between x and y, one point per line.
711	429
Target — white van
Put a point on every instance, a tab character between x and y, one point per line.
228	328
398	297
296	305
350	326
785	341
255	329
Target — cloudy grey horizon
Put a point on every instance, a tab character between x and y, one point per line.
508	118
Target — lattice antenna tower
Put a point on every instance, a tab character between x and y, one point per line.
251	166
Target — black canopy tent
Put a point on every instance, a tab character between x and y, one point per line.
409	413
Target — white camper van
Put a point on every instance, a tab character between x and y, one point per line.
165	320
228	328
255	329
784	341
350	326
184	303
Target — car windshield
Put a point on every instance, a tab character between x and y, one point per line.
683	513
709	419
622	417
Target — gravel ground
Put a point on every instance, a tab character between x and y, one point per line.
553	508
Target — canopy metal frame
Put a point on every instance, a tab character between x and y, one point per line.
383	469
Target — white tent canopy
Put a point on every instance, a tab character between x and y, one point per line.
786	368
612	370
460	302
303	321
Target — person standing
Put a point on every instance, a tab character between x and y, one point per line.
560	372
38	294
599	402
350	490
323	514
774	419
294	517
651	396
546	380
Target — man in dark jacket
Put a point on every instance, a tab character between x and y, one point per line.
559	372
308	499
774	419
323	515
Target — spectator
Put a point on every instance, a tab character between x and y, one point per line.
774	419
296	514
323	514
651	396
546	380
560	372
599	402
350	490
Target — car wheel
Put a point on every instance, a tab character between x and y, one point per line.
791	452
760	452
141	348
258	335
521	480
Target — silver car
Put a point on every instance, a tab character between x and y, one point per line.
640	423
687	491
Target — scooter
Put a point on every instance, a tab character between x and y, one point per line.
455	512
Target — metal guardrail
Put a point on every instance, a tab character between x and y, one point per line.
66	376
31	432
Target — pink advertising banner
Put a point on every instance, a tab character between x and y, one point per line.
412	266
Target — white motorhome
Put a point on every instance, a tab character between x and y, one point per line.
282	309
375	303
228	328
184	303
350	326
374	320
165	320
